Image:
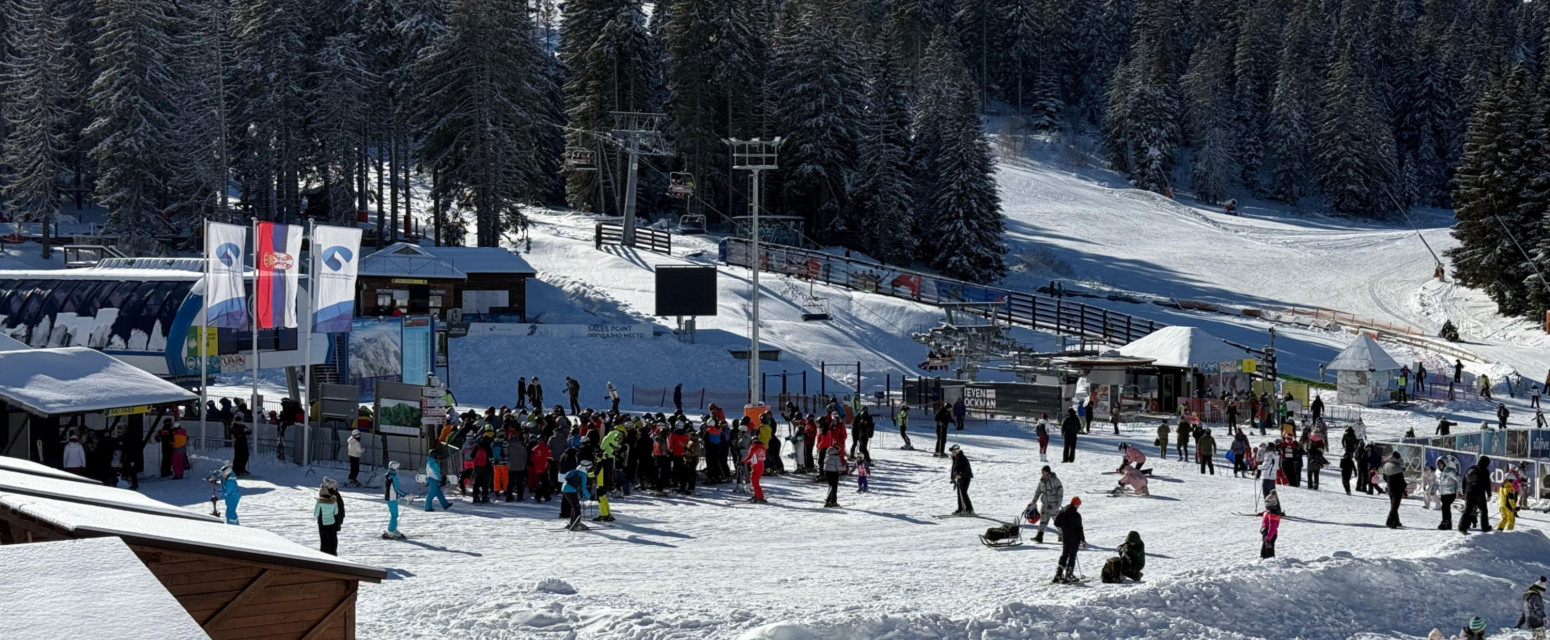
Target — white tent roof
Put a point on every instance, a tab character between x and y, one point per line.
482	259
50	382
1363	354
87	590
1182	347
404	260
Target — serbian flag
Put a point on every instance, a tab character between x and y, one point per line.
276	256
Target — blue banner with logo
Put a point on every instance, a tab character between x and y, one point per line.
336	251
226	302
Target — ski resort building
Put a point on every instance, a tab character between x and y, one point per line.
96	589
234	582
1190	362
451	283
1364	372
50	392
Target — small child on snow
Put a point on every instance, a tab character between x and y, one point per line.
1270	526
863	471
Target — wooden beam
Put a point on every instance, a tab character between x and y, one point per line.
251	591
317	630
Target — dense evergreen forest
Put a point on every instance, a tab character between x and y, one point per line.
165	112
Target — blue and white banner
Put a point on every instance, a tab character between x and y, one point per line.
226	303
337	252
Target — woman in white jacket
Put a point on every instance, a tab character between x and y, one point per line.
75	456
1447	488
1269	468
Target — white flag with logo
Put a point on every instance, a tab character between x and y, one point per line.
226	303
336	254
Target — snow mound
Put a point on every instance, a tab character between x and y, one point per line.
554	585
1454	580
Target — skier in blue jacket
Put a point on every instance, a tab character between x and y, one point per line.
229	492
392	492
573	490
433	485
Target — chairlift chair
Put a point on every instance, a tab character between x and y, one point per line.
815	310
691	224
680	184
579	159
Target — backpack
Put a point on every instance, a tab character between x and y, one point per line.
1031	514
1110	573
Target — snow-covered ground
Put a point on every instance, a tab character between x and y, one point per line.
711	566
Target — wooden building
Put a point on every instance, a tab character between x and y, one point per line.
237	583
487	284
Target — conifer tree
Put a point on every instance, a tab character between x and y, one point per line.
135	113
38	108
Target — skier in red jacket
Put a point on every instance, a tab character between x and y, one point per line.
755	462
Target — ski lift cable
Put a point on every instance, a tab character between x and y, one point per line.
1542	282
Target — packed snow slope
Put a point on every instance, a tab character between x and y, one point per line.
1090	227
882	566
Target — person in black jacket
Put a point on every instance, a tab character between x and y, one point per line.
861	433
944	417
1393	473
1445	426
1477	485
1069	427
962	474
1072	538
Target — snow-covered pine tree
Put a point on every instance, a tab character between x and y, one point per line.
1254	75
38	106
1143	141
269	104
962	221
1212	169
884	209
132	100
1293	108
1490	187
201	62
611	65
484	111
1034	85
1358	171
823	100
343	84
714	74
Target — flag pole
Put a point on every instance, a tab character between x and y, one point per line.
204	328
253	400
306	389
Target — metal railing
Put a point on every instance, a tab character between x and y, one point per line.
1053	314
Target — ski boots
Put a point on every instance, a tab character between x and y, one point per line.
1039	538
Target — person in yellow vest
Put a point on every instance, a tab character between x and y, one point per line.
1507	500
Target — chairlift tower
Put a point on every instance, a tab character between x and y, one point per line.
641	135
754	155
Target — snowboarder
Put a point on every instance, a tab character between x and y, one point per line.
1447	488
391	492
962	474
433	479
1477	484
1507	502
1048	496
1393	473
1072	538
1069	427
831	474
902	419
1534	610
1041	431
326	513
573	490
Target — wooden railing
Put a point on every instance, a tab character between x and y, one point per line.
612	234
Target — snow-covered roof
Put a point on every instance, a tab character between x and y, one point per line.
1363	354
29	467
34	484
404	260
88	590
95	518
483	260
49	382
1182	347
7	343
